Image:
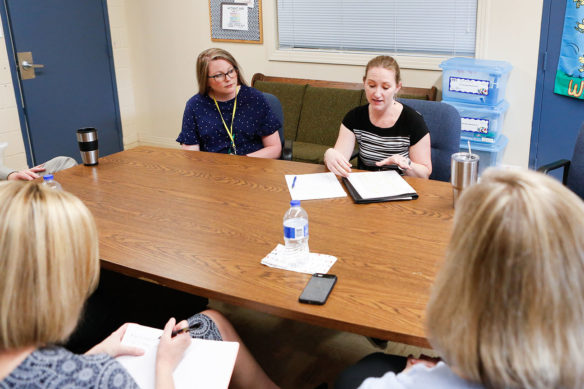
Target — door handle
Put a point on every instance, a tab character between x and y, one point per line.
27	65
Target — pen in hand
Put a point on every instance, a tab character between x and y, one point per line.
183	330
186	329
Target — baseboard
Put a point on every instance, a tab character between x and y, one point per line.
128	146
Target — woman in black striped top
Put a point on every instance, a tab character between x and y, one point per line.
387	131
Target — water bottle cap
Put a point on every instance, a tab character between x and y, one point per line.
47	177
295	203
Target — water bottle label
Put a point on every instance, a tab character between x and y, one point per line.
296	232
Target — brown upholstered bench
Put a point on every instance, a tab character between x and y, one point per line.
314	109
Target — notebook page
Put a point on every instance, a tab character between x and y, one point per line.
206	364
314	186
372	185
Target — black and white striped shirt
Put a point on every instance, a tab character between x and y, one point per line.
375	143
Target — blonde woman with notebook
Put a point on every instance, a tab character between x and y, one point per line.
49	265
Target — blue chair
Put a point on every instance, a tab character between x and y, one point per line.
443	122
573	176
276	107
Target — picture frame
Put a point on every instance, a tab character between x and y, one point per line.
237	21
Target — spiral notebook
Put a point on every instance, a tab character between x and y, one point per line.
377	187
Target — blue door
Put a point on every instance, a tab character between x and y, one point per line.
556	118
76	85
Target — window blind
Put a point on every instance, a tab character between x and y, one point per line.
444	27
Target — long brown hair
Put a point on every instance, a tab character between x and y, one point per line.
203	67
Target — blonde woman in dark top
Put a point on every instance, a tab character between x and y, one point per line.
49	265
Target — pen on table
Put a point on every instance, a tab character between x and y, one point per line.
294	181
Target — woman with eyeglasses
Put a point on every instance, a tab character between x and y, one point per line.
227	116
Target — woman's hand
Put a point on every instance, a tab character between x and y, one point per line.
336	162
112	345
404	163
421	156
272	147
420	164
337	159
425	360
190	147
170	352
411	167
26	175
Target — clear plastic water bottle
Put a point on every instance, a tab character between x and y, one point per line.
296	232
50	182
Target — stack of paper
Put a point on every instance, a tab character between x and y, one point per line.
206	364
314	186
371	187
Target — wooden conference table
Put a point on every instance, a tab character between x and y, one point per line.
201	223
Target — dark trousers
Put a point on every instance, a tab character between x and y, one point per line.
373	365
119	299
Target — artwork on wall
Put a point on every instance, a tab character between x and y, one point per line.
570	73
236	21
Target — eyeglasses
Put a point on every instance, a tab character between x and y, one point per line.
221	76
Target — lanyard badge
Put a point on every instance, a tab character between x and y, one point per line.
232	149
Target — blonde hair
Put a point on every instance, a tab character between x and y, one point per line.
386	62
203	67
507	307
49	263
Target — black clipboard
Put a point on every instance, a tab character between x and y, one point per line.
375	168
360	200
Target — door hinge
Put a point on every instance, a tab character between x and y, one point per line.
544	61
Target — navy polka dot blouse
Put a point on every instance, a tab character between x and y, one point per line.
202	123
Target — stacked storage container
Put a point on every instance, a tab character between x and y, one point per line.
476	88
3	145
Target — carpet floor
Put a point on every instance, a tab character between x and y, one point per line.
297	355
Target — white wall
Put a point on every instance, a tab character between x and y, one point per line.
156	44
167	37
9	125
123	68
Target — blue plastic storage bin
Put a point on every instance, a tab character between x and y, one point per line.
477	81
490	154
480	123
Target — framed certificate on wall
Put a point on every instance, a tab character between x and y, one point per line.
236	21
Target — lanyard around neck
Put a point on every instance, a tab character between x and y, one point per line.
227	129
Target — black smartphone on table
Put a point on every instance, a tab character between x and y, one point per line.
318	289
